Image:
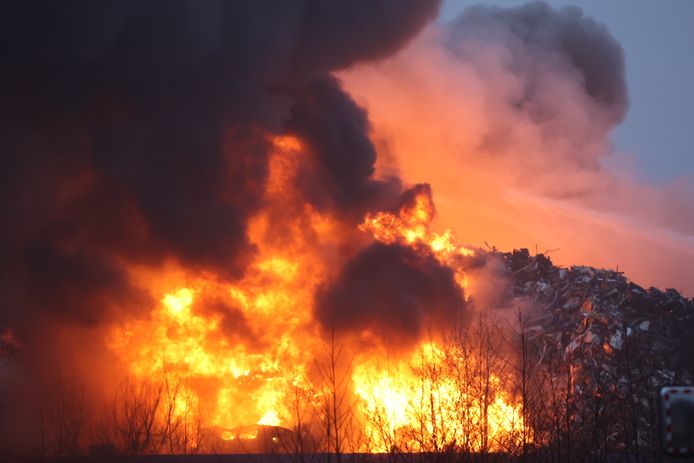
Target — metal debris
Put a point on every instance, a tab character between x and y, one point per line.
623	340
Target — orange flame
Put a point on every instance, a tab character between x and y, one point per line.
410	227
420	404
247	349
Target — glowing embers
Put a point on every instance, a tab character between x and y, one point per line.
287	143
434	400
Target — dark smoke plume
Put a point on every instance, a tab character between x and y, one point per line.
336	130
136	131
391	290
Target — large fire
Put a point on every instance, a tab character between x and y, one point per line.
247	353
220	235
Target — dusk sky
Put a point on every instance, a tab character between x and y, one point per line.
657	38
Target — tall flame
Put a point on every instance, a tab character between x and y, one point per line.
247	348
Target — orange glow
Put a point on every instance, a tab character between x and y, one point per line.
248	349
419	404
246	352
501	179
270	418
411	227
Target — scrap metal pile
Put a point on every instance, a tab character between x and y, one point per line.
621	342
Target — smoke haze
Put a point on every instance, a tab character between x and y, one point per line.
507	113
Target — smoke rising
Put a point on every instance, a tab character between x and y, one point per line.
541	41
135	134
507	112
337	133
393	291
138	138
137	131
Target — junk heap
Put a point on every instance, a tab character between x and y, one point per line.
619	343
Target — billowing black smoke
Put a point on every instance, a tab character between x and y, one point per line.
336	131
393	291
133	131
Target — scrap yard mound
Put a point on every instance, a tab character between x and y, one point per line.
622	342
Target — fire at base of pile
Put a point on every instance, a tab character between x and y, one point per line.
424	369
455	394
262	350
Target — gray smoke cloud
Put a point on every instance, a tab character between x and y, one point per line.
568	76
541	38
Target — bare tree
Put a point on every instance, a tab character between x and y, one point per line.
306	423
131	420
180	421
336	408
60	420
528	386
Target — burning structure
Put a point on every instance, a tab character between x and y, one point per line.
204	250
